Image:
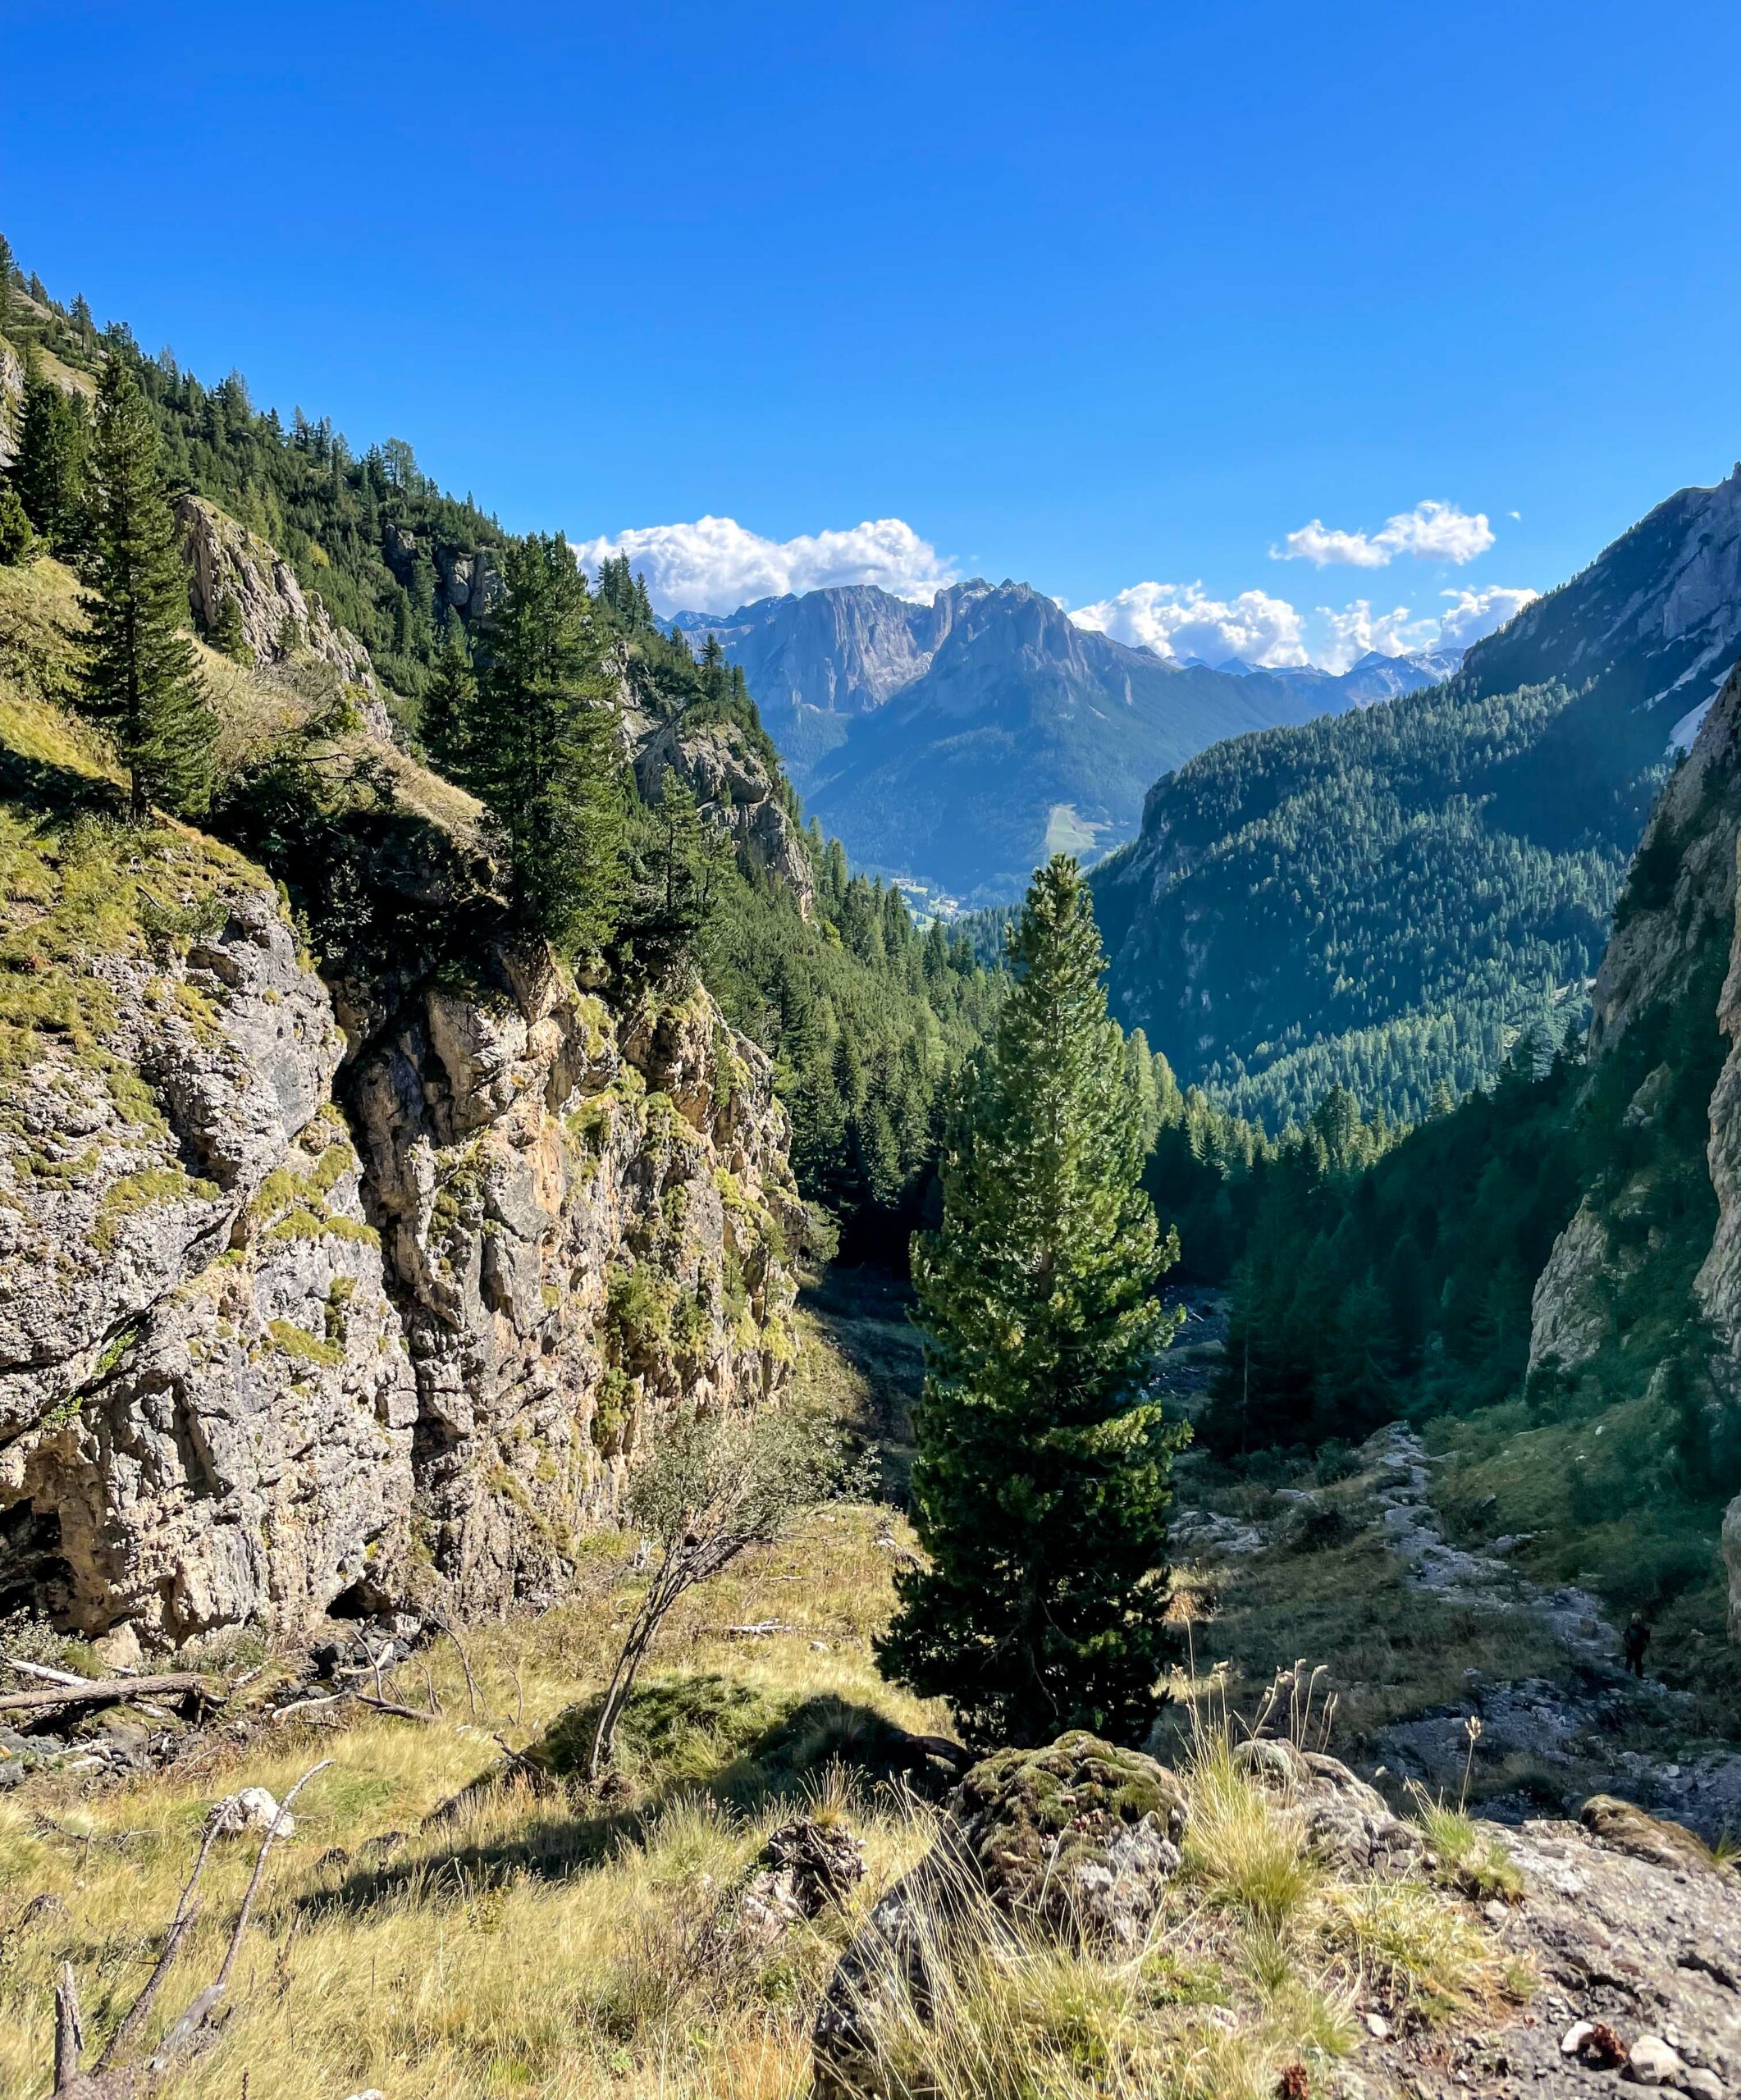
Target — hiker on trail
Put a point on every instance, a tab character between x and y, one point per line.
1637	1640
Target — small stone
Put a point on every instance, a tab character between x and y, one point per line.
1652	2062
252	1811
1701	2083
1378	2027
119	1650
1495	1912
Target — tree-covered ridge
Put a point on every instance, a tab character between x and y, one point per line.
535	699
1363	902
369	529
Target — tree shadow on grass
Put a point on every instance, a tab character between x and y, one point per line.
781	1750
56	793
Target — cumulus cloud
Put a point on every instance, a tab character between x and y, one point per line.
1177	619
1431	532
1354	631
714	564
1473	613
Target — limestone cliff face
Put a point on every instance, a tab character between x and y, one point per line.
11	402
204	1402
585	1219
225	560
279	1337
737	792
1677	921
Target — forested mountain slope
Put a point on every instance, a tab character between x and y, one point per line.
1382	899
1549	1272
963	741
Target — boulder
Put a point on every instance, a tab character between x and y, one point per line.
809	1866
1623	1828
1348	1823
1078	1838
251	1813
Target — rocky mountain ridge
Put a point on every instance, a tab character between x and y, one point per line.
961	741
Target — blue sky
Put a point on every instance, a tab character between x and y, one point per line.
1101	297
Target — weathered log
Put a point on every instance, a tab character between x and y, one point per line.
100	1690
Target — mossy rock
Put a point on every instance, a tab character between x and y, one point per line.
1030	1817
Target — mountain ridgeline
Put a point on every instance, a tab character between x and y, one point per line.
1383	900
962	742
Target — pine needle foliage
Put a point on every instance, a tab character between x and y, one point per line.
1044	1475
543	750
140	675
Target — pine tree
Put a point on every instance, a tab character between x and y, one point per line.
49	471
7	268
227	634
139	672
544	754
446	725
1044	1475
15	528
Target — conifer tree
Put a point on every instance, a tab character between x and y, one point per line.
227	634
15	528
446	725
1044	1475
544	753
139	672
49	471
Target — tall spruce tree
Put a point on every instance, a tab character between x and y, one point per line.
445	724
140	674
49	471
544	751
1043	1480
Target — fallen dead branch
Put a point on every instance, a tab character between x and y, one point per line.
101	1691
115	2076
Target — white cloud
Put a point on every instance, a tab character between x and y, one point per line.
1176	619
1356	630
714	564
1473	614
1431	532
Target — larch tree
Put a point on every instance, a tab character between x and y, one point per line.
1042	1479
140	675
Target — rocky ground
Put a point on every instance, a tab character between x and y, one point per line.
1576	1724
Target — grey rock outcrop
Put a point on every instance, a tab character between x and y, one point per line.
585	1220
1079	1837
251	1372
204	1405
737	792
471	583
225	560
1569	1309
11	402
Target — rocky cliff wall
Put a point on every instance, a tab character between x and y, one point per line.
279	619
278	1338
736	791
1676	925
586	1220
